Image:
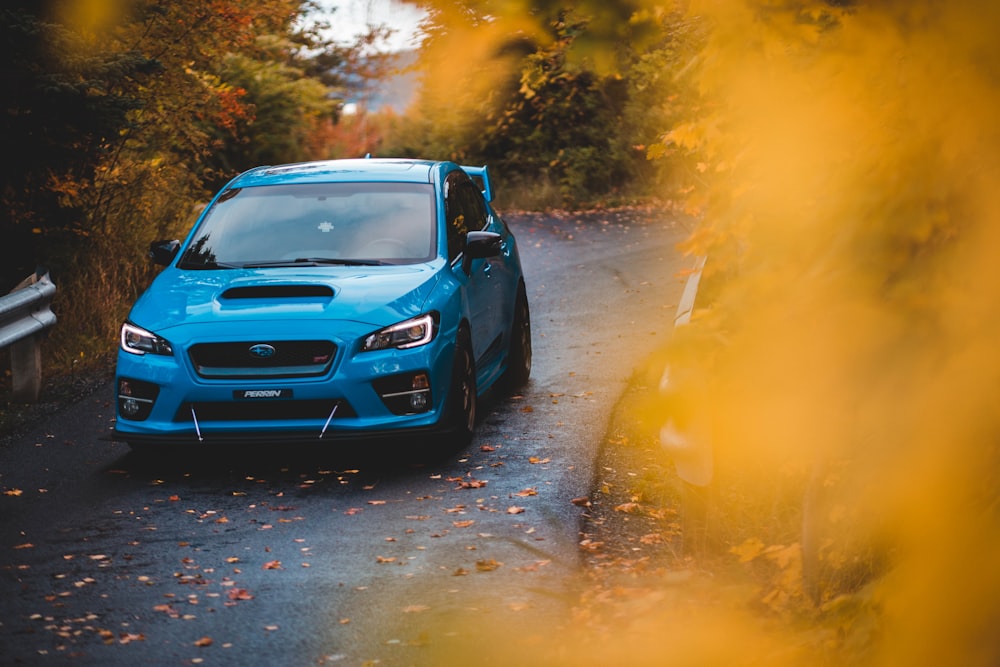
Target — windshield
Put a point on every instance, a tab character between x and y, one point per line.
316	223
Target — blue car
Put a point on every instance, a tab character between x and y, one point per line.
329	300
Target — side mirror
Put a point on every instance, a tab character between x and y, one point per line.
163	252
479	245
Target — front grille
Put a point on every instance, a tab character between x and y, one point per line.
236	411
263	359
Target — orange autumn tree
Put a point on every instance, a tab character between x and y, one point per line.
845	155
127	116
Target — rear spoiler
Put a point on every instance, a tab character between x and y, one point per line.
482	177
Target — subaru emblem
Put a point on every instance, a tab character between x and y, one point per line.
262	350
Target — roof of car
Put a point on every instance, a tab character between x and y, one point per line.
373	169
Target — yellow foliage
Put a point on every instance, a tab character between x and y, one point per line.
749	550
856	228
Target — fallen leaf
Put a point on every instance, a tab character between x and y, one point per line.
272	565
487	565
463	524
526	493
629	508
472	484
270	628
534	566
239	594
13	492
535	460
204	641
581	502
514	509
166	609
376	502
26	545
385	559
487	448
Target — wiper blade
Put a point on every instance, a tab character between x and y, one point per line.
343	262
207	265
312	261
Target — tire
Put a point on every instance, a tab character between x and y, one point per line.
519	353
462	396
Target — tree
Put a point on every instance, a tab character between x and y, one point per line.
63	115
122	116
542	95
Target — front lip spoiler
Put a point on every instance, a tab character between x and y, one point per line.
210	438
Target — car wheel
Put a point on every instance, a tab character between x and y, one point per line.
462	395
519	354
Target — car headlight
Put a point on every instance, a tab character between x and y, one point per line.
411	333
136	340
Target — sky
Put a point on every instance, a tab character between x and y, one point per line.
348	18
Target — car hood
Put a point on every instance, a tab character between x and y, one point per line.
377	296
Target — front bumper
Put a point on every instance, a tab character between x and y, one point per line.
251	438
356	399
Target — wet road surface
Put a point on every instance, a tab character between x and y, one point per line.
351	556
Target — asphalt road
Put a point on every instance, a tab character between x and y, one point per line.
354	557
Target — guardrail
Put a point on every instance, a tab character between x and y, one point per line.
690	448
24	314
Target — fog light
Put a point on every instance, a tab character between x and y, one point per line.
421	385
136	398
405	394
130	407
418	402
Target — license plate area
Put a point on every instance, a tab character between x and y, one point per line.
261	394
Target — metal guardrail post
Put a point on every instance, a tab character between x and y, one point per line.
24	315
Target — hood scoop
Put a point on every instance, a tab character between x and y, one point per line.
279	292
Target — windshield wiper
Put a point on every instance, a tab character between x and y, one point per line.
207	265
312	261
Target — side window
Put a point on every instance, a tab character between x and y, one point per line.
465	210
455	211
476	206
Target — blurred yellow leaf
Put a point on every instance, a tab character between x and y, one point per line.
749	550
